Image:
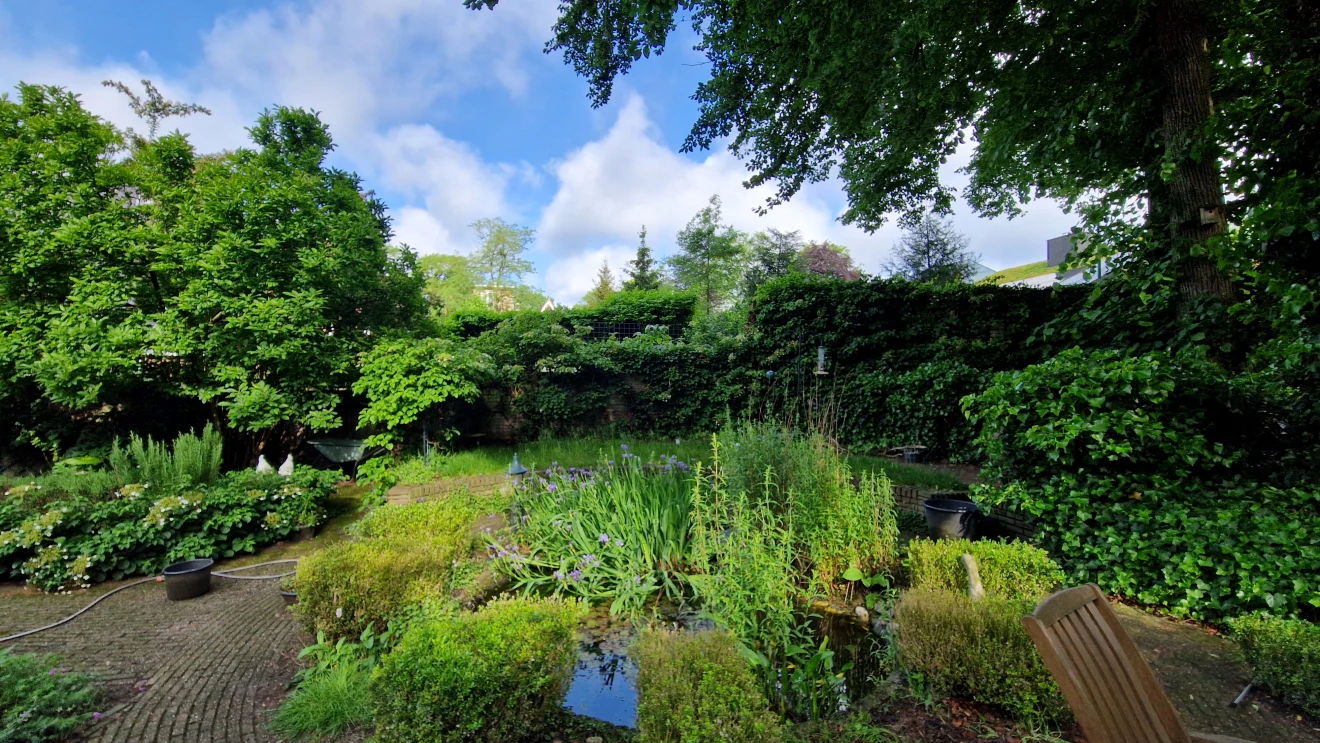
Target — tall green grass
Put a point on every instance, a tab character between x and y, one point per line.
326	705
845	528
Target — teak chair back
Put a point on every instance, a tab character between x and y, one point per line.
1111	689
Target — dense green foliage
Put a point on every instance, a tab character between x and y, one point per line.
496	675
239	286
901	355
192	460
1284	655
1010	570
330	696
138	529
39	701
617	532
406	379
696	688
403	554
549	380
777	520
1155	477
950	644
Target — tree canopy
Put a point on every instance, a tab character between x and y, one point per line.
709	257
246	283
1166	104
932	250
500	258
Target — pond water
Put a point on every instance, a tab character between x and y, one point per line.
604	682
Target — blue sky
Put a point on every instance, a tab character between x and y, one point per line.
452	115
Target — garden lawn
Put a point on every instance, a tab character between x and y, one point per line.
566	452
585	452
905	474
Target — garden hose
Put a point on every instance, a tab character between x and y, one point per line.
108	594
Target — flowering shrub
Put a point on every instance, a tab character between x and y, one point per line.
76	542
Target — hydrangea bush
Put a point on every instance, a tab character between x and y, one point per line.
75	542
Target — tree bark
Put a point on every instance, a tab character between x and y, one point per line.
1193	200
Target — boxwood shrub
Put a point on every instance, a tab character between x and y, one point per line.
696	686
497	675
1012	570
1284	655
950	645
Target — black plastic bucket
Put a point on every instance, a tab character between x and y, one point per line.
951	519
188	579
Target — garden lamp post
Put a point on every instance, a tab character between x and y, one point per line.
516	470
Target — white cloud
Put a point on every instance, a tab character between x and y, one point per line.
449	177
611	186
362	63
567	279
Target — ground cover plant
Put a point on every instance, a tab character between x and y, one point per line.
401	556
138	529
39	700
694	687
495	675
1284	655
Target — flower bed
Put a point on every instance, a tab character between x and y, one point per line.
138	529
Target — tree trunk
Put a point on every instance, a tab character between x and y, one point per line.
1193	200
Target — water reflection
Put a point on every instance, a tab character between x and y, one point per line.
604	682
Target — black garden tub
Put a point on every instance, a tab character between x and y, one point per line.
188	579
951	519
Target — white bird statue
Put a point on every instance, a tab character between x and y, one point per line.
286	469
263	467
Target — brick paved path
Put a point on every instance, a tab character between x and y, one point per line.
1202	673
208	669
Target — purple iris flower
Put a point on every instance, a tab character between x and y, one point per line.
604	538
575	575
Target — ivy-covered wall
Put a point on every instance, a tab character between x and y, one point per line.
901	355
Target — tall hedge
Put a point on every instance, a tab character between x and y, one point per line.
901	355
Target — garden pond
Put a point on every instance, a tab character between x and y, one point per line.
604	685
